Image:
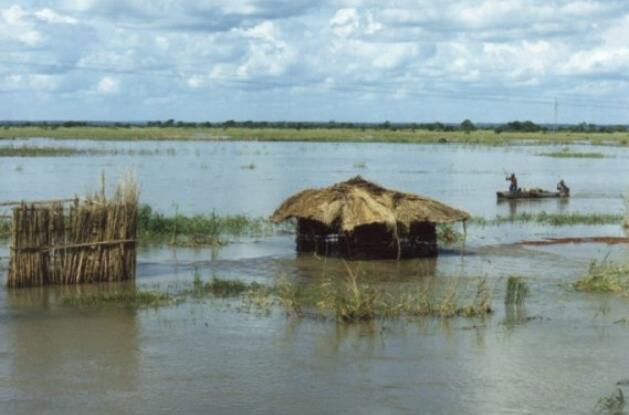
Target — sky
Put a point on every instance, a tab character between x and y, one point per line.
300	60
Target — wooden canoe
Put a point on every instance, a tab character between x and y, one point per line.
530	194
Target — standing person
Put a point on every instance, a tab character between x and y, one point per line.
513	187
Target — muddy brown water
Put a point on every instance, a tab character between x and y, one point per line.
559	353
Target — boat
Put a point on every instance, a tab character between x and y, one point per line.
531	194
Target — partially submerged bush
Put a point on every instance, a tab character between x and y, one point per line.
447	234
604	278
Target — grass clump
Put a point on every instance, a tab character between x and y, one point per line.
604	278
5	228
349	300
552	219
51	151
517	291
567	153
625	222
209	229
447	234
130	298
222	288
346	300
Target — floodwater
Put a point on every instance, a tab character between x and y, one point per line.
559	353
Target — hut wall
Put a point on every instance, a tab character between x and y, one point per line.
374	241
313	236
89	242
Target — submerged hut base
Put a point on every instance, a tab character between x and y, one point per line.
374	241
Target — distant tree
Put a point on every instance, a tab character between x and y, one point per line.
468	126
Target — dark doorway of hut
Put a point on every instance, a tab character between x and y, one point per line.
358	219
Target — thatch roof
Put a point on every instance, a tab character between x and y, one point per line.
357	202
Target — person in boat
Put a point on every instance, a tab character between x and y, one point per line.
513	187
562	188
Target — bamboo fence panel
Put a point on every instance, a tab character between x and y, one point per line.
85	242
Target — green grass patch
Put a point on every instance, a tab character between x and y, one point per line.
209	229
448	235
5	227
604	278
335	134
221	288
46	151
345	299
129	298
552	219
567	153
517	291
349	300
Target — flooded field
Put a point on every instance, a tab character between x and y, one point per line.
558	352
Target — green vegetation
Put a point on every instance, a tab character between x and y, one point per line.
567	153
447	234
220	287
625	222
130	298
345	299
613	404
198	229
334	132
604	278
553	219
517	291
5	227
349	300
37	151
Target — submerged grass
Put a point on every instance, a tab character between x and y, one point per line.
129	298
625	222
517	291
5	227
552	219
346	299
47	151
447	234
604	278
567	153
336	134
198	229
349	300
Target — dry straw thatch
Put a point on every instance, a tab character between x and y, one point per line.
357	202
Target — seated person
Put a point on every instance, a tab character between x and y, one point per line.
562	188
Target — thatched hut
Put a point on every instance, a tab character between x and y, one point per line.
360	220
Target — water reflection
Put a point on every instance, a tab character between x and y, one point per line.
56	354
556	205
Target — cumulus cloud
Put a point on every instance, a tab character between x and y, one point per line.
108	86
292	52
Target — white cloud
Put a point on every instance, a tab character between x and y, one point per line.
51	16
175	50
108	86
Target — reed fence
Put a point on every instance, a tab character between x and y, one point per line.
92	240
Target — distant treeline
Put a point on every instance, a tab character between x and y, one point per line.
466	126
